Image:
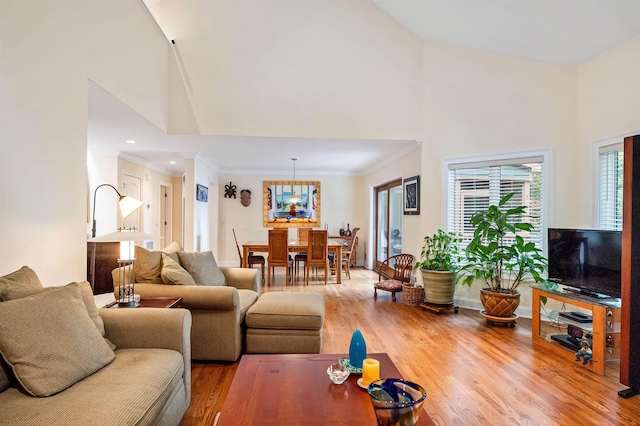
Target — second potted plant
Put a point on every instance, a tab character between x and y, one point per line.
438	262
501	259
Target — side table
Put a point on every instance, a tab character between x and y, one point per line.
154	302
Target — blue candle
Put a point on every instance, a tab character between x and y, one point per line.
357	349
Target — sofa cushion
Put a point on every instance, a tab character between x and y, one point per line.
287	311
148	267
173	273
132	390
24	277
202	267
50	341
85	292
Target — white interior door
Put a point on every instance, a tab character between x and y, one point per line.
132	186
166	221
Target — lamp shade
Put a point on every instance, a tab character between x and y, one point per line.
128	205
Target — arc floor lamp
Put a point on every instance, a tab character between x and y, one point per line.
126	203
127	206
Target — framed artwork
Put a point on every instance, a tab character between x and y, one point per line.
202	193
291	204
411	190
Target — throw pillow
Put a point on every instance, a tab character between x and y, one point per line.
148	267
202	267
173	273
50	342
87	299
24	277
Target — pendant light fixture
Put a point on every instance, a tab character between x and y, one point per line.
294	198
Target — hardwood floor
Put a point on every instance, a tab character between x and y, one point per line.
474	374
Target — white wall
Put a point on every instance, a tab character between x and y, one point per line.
150	196
480	103
608	106
54	49
312	68
198	214
403	168
102	170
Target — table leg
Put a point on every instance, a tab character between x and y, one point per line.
245	257
339	264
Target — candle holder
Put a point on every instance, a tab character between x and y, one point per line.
126	291
338	373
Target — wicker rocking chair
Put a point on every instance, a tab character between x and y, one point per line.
394	271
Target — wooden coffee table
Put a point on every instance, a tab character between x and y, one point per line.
295	389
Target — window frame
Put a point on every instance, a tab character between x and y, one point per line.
599	147
501	159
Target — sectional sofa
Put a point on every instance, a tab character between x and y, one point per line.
65	362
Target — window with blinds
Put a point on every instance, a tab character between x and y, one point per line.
476	186
611	161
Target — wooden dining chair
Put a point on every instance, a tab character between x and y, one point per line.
303	237
394	271
317	253
348	255
279	253
252	260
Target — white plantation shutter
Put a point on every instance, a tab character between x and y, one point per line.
611	161
475	186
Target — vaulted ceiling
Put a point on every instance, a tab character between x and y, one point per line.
569	32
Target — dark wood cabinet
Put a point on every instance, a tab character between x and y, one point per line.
100	264
630	324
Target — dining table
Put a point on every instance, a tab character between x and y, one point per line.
334	247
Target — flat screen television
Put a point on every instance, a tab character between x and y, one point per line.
586	260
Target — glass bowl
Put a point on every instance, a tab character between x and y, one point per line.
396	401
338	373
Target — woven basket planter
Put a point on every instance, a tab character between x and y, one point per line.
501	305
411	295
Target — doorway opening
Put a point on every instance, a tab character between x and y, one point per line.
388	231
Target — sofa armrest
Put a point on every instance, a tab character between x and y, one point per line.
152	328
245	278
221	298
148	328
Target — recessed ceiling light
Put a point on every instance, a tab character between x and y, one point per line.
172	162
131	141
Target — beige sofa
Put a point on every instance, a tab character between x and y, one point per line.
74	376
217	309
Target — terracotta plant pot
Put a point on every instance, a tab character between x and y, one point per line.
502	305
439	286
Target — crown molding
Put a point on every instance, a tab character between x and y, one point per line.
149	165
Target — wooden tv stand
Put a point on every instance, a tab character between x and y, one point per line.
604	329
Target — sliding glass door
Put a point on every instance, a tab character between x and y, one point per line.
388	220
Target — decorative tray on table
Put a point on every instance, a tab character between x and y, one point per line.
351	368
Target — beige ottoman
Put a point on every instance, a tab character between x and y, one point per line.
285	323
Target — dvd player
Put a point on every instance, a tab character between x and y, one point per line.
577	317
568	341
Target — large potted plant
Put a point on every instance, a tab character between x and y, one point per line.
438	261
500	258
